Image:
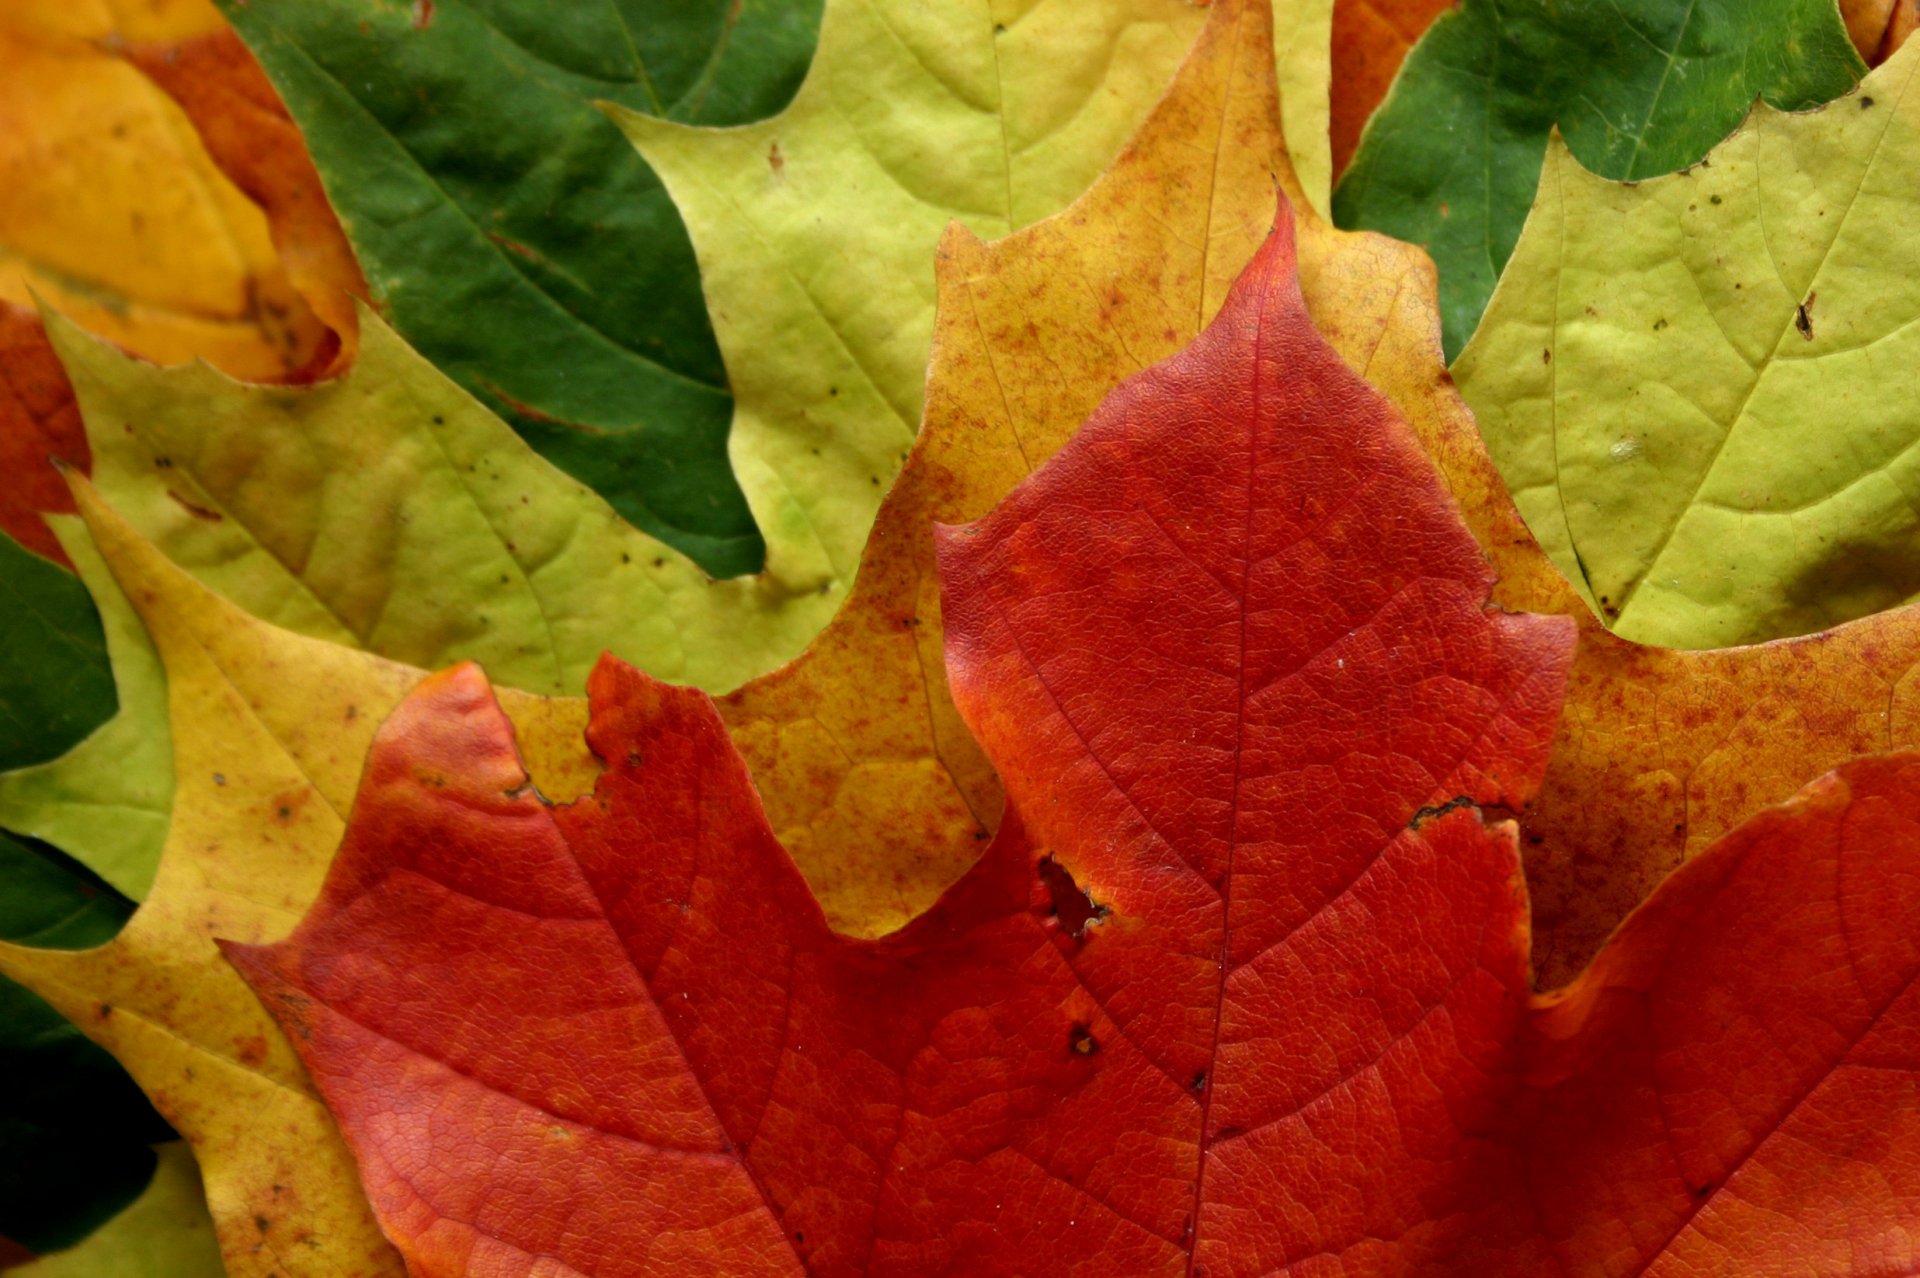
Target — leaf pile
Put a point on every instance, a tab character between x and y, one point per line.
1001	709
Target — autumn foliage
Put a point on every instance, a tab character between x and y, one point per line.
1176	777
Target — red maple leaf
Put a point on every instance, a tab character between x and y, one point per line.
1239	989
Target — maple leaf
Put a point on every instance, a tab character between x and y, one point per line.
1697	386
87	143
269	733
248	133
165	1233
872	782
1639	88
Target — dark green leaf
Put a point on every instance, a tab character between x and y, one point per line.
514	236
1638	88
75	1132
55	683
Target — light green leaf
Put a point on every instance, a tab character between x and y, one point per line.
388	510
816	229
1702	388
1638	87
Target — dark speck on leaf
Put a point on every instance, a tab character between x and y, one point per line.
1082	1041
1865	102
438	420
1713	199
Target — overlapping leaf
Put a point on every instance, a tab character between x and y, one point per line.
1699	388
270	732
814	229
1239	989
1452	158
872	782
514	238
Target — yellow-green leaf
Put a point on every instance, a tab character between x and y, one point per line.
1701	388
815	229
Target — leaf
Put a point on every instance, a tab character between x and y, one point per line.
517	242
248	133
814	229
270	730
165	1234
1302	31
38	420
55	687
1744	480
389	510
111	210
863	1107
1370	41
1638	88
74	1130
1879	27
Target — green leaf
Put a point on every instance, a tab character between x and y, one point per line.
1637	87
74	1129
1702	388
55	683
166	1233
516	240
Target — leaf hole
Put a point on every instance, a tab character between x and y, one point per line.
1072	904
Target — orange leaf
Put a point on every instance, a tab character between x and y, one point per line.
1370	41
38	421
1879	27
112	211
253	139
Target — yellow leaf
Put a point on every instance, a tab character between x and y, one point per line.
269	732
